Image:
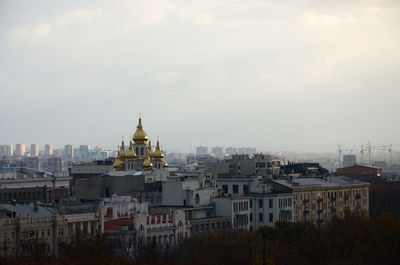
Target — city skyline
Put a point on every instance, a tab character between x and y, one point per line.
305	76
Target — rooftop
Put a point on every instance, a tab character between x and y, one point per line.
329	182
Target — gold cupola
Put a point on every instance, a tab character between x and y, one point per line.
147	165
118	164
158	153
140	136
122	151
149	150
131	155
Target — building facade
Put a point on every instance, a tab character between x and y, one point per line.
31	229
318	200
130	227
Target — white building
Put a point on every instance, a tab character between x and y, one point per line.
201	150
266	206
235	207
129	227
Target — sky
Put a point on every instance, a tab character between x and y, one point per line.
277	75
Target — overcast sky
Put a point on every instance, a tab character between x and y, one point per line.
278	75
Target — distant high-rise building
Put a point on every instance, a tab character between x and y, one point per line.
84	151
48	149
6	150
218	151
69	151
31	162
231	150
20	149
349	160
246	150
34	150
202	150
55	164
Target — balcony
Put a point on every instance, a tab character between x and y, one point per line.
333	199
241	212
358	196
320	200
333	210
306	201
306	212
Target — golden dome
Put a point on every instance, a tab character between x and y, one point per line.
158	153
165	165
140	136
122	151
118	164
131	155
147	165
149	150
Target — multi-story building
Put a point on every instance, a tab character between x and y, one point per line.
231	150
32	229
318	200
48	149
349	160
32	162
55	164
201	150
267	205
194	196
69	152
27	185
361	172
218	152
129	226
34	150
243	165
235	207
140	184
84	151
20	149
247	150
6	150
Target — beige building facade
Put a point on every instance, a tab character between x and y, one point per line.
28	230
318	200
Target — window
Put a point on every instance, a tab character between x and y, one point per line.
251	217
225	188
246	189
271	217
260	203
260	217
251	203
235	188
270	201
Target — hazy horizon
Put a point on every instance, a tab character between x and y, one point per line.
303	76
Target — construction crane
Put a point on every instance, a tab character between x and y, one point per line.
340	150
369	148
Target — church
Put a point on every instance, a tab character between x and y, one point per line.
140	155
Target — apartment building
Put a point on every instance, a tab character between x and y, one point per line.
318	200
32	229
129	226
